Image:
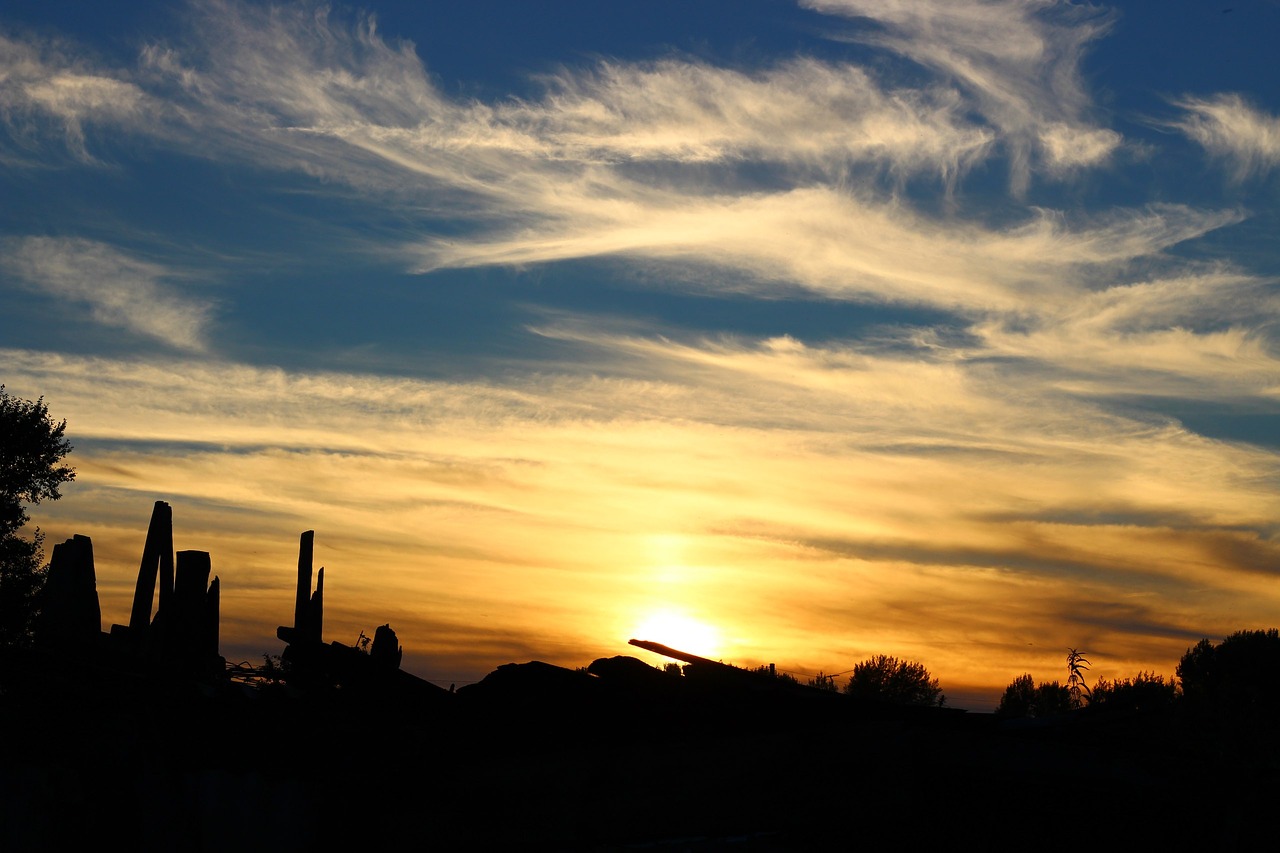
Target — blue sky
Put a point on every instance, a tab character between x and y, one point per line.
821	329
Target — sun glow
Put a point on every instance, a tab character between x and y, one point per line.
679	631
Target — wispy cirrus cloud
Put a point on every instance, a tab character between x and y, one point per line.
642	160
296	89
1198	335
1019	59
119	290
46	97
755	457
839	245
651	160
801	113
1245	138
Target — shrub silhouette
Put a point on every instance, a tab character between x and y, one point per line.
891	680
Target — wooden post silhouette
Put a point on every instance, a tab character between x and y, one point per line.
212	608
315	610
386	650
302	598
184	621
157	558
71	618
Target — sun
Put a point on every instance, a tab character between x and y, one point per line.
679	631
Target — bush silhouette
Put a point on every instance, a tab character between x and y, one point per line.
892	680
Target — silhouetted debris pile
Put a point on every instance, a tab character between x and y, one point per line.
312	664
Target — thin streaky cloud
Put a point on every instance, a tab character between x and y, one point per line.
839	245
1020	61
1245	138
738	450
275	83
549	179
47	97
120	290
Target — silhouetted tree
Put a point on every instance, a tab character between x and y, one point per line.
822	681
22	574
892	680
1238	677
776	674
1052	698
32	447
1024	698
1019	698
1144	692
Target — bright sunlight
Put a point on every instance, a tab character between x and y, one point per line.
680	631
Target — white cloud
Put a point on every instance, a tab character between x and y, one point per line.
44	93
301	90
843	246
556	177
881	478
802	113
1019	59
121	291
1229	128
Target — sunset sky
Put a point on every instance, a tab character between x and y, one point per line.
786	332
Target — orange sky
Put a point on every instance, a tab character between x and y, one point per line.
554	520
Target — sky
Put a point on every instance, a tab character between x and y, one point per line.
788	332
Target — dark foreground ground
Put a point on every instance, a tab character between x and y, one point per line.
564	761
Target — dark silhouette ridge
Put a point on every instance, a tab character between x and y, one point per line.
146	734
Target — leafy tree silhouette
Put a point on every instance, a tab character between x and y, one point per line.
900	681
1144	692
32	448
1239	677
1024	698
822	681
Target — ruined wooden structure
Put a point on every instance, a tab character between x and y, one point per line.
173	623
180	634
70	618
183	632
312	663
